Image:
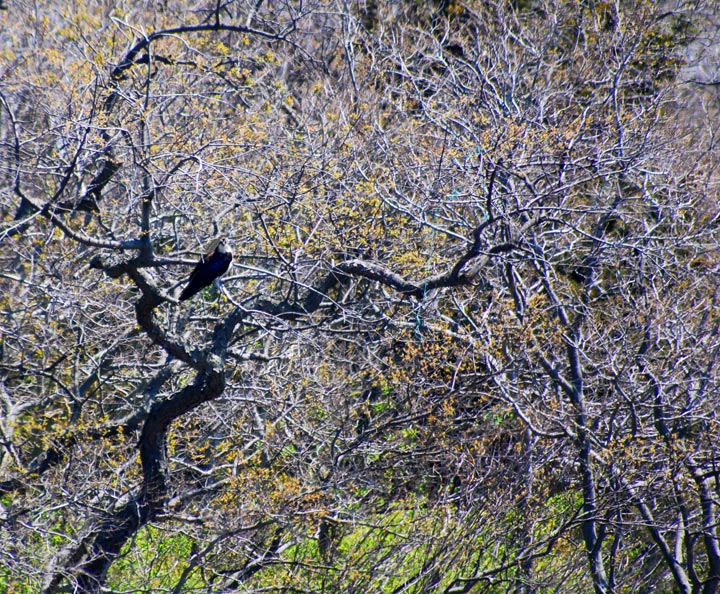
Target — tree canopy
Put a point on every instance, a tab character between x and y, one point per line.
470	338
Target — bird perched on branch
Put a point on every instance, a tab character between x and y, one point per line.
211	266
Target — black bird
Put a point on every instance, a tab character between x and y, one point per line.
212	265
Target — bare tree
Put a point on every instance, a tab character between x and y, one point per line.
469	340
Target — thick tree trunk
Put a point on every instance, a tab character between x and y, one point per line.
91	560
